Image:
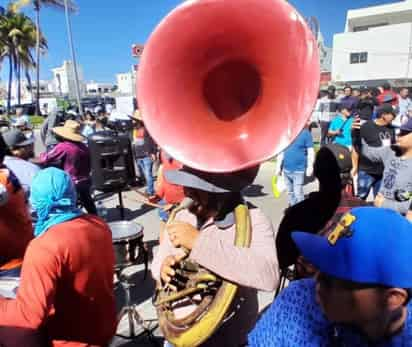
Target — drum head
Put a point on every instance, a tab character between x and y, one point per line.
125	230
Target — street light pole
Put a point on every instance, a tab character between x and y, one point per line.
76	76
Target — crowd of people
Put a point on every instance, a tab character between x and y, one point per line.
348	258
374	124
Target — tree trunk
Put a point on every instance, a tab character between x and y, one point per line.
37	10
29	83
10	83
18	75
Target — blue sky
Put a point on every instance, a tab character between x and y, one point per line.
105	30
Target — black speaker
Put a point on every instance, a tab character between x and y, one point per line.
111	161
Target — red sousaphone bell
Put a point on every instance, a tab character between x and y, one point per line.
226	84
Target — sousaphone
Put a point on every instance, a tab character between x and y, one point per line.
224	85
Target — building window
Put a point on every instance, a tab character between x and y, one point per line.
354	58
359	58
367	27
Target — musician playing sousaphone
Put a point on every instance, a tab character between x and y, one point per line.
207	230
222	102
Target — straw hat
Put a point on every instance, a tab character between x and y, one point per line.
70	131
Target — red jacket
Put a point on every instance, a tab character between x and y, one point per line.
171	193
66	288
386	94
16	230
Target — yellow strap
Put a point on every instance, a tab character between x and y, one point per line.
215	314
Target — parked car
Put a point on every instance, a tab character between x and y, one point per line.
29	109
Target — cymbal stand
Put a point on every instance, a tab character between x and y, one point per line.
134	317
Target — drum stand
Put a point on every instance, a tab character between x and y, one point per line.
133	315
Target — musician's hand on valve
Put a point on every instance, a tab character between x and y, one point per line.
167	271
182	234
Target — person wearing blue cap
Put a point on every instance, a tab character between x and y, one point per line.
396	188
361	294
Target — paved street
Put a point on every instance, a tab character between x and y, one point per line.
259	194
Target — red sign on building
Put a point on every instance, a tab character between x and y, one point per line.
325	78
137	50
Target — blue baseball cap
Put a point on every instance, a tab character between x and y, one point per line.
369	245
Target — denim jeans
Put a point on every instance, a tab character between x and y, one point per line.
145	166
367	182
163	215
324	128
294	184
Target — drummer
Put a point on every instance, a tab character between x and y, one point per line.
207	229
66	286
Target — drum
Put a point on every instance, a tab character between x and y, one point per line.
9	287
127	242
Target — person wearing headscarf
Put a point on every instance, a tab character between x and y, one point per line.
66	286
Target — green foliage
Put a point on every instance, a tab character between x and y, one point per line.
18	36
36	121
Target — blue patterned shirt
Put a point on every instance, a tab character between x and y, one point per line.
295	320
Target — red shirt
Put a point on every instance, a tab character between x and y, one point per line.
16	230
171	193
66	288
386	94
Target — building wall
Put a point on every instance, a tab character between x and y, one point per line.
393	13
66	83
389	54
125	83
99	88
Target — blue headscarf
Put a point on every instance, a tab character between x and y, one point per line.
53	197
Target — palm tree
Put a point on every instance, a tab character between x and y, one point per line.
23	39
18	39
37	5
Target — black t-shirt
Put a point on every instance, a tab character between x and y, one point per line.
366	107
373	135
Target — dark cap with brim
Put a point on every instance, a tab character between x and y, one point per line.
212	182
14	138
386	108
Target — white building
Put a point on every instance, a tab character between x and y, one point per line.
96	88
126	83
46	87
26	95
376	46
65	82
